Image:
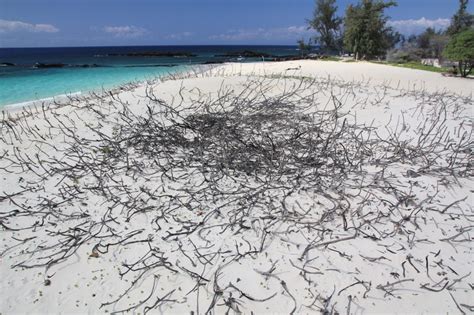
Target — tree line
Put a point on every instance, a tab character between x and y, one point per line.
365	32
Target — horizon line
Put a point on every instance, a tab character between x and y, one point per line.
168	45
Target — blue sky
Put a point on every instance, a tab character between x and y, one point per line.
37	23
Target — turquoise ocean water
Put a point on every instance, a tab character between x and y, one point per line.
23	87
72	70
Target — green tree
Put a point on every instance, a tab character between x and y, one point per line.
432	43
461	49
327	24
461	20
424	38
366	33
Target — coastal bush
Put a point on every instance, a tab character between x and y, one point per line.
430	43
403	56
304	48
461	49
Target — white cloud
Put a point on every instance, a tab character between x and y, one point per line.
18	26
409	27
125	31
292	33
281	33
179	36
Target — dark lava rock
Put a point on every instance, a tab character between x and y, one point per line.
156	54
94	65
148	66
49	65
245	54
213	62
292	58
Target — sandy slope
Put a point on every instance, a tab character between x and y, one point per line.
402	248
362	71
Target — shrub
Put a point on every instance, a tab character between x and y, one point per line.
461	49
404	55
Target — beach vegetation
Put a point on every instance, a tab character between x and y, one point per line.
403	55
429	44
416	66
304	47
328	26
462	20
461	49
366	32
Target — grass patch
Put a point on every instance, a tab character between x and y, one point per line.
414	65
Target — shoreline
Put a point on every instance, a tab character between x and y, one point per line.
259	66
60	98
48	100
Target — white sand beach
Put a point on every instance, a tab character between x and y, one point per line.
299	187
